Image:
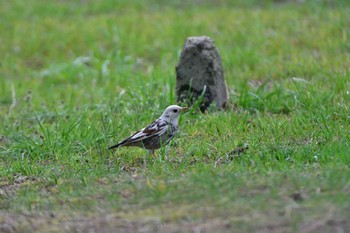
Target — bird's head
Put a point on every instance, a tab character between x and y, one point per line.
172	112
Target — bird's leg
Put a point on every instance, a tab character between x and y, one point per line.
152	153
144	162
166	153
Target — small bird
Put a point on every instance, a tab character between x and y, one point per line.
158	133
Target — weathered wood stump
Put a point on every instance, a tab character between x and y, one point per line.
199	74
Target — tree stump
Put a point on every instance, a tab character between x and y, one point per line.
199	74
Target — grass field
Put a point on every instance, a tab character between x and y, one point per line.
78	76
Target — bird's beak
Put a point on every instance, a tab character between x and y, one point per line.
183	109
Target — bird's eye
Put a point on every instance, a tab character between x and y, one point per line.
175	110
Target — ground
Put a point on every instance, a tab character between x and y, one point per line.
77	77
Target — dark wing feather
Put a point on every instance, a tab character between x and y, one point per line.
155	127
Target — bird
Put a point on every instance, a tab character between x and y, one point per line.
156	134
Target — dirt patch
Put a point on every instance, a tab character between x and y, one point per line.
9	187
117	222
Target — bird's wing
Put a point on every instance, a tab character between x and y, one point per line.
157	127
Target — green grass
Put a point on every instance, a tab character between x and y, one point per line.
78	76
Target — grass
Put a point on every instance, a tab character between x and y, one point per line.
79	76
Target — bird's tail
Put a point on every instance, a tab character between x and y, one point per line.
115	146
119	144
